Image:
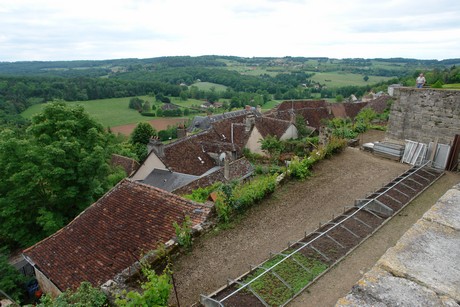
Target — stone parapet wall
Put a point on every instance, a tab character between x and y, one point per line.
422	115
423	268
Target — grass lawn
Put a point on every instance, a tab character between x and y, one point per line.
344	79
109	112
206	86
452	86
270	105
114	111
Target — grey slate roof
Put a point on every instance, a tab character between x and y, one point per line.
167	180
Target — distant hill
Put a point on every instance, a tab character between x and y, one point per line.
143	69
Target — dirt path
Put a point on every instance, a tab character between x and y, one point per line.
296	207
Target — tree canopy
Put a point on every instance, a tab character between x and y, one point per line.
50	172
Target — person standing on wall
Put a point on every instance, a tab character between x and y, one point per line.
420	81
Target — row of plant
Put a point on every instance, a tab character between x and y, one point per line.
297	271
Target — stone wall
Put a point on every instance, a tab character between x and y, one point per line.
422	115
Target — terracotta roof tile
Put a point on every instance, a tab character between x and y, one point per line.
352	108
272	126
379	104
188	156
108	236
313	111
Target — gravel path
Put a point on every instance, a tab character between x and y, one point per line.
340	279
295	207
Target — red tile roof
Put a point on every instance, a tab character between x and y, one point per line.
352	108
313	111
106	238
272	126
188	156
379	104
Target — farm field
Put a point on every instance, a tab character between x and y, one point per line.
337	79
206	86
115	113
112	112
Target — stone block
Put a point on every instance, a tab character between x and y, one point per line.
427	254
447	210
380	288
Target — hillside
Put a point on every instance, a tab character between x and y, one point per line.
235	81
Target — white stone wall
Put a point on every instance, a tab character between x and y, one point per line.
45	284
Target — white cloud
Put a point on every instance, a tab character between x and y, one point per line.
66	30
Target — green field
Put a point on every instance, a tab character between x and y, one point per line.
337	79
207	86
109	112
114	111
452	86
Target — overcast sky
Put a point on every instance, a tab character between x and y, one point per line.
99	29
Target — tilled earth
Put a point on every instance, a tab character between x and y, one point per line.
295	208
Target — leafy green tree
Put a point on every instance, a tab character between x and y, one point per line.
11	281
51	173
85	295
140	138
146	107
366	78
142	133
437	84
136	103
273	146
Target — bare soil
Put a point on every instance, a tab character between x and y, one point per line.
158	124
295	208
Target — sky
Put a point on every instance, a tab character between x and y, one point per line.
52	30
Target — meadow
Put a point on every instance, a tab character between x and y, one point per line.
109	112
338	79
114	112
207	86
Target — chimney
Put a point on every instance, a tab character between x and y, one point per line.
292	116
227	168
250	121
157	146
181	131
234	154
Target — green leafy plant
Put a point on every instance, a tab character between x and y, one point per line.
156	290
184	233
291	270
272	146
201	194
85	295
300	168
334	146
